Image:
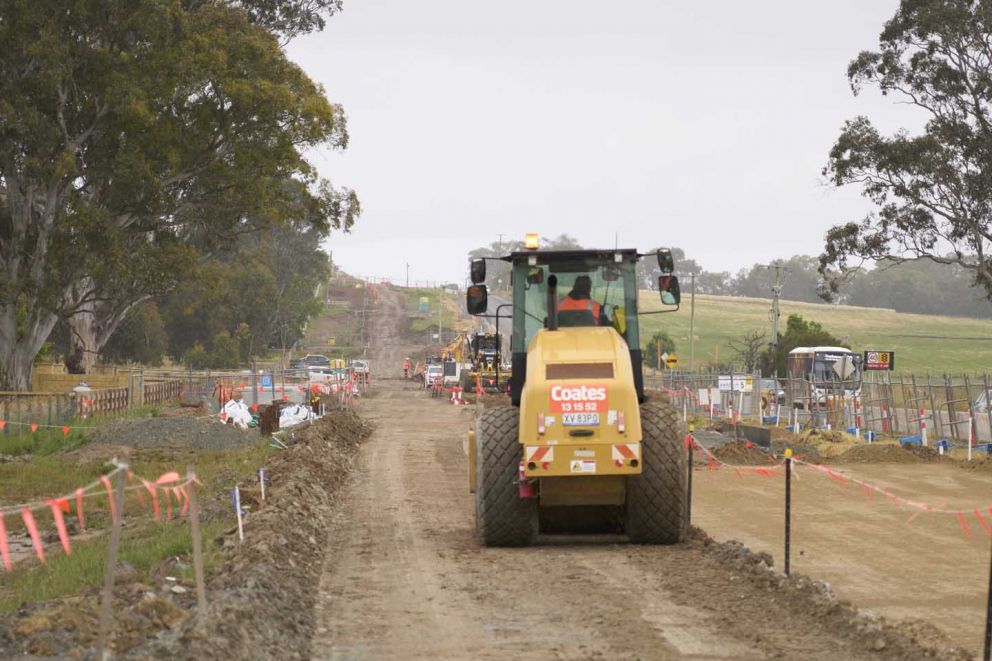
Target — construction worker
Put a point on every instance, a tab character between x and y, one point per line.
406	368
580	299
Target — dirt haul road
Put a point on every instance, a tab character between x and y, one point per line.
865	549
405	578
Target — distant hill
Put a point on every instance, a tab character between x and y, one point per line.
922	342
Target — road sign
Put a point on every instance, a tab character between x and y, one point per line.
736	383
880	360
671	360
332	341
845	367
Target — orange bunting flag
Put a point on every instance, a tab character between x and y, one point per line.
223	416
964	525
166	478
4	550
57	506
253	408
110	496
34	427
182	490
65	430
79	508
285	398
33	531
3	423
280	388
154	493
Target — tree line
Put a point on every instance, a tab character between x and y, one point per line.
142	144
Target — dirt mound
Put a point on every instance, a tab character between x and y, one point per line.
743	453
907	639
261	601
877	453
174	432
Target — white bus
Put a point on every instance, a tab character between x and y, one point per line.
818	373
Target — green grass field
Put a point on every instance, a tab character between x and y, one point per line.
922	343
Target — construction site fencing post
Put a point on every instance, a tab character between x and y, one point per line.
788	508
106	600
988	403
972	423
690	441
935	416
254	383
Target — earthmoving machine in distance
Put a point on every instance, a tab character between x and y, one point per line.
582	441
486	354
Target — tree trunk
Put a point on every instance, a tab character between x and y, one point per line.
18	349
83	339
15	368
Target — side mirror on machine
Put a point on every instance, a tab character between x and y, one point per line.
668	286
478	271
477	299
611	274
666	263
535	276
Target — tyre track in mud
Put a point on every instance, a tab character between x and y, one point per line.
405	578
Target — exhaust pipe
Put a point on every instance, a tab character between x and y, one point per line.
552	302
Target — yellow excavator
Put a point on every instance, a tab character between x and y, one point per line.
454	358
582	444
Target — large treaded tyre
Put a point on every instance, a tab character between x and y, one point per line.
502	517
655	512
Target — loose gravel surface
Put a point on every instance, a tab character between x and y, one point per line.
174	432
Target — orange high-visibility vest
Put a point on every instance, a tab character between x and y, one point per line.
569	303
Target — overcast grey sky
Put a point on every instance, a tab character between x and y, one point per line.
690	124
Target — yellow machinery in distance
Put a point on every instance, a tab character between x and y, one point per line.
581	440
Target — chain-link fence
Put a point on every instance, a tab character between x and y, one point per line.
946	407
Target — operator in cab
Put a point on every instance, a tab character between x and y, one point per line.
578	308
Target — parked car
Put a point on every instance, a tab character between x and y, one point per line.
316	360
433	373
297	364
360	366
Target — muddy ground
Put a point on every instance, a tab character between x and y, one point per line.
405	578
261	601
869	551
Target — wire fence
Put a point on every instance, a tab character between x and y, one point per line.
923	409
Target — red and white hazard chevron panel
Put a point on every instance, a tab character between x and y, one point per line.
626	451
537	453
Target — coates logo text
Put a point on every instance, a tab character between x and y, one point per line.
578	399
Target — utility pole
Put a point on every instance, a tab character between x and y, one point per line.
408	275
692	320
776	292
440	307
